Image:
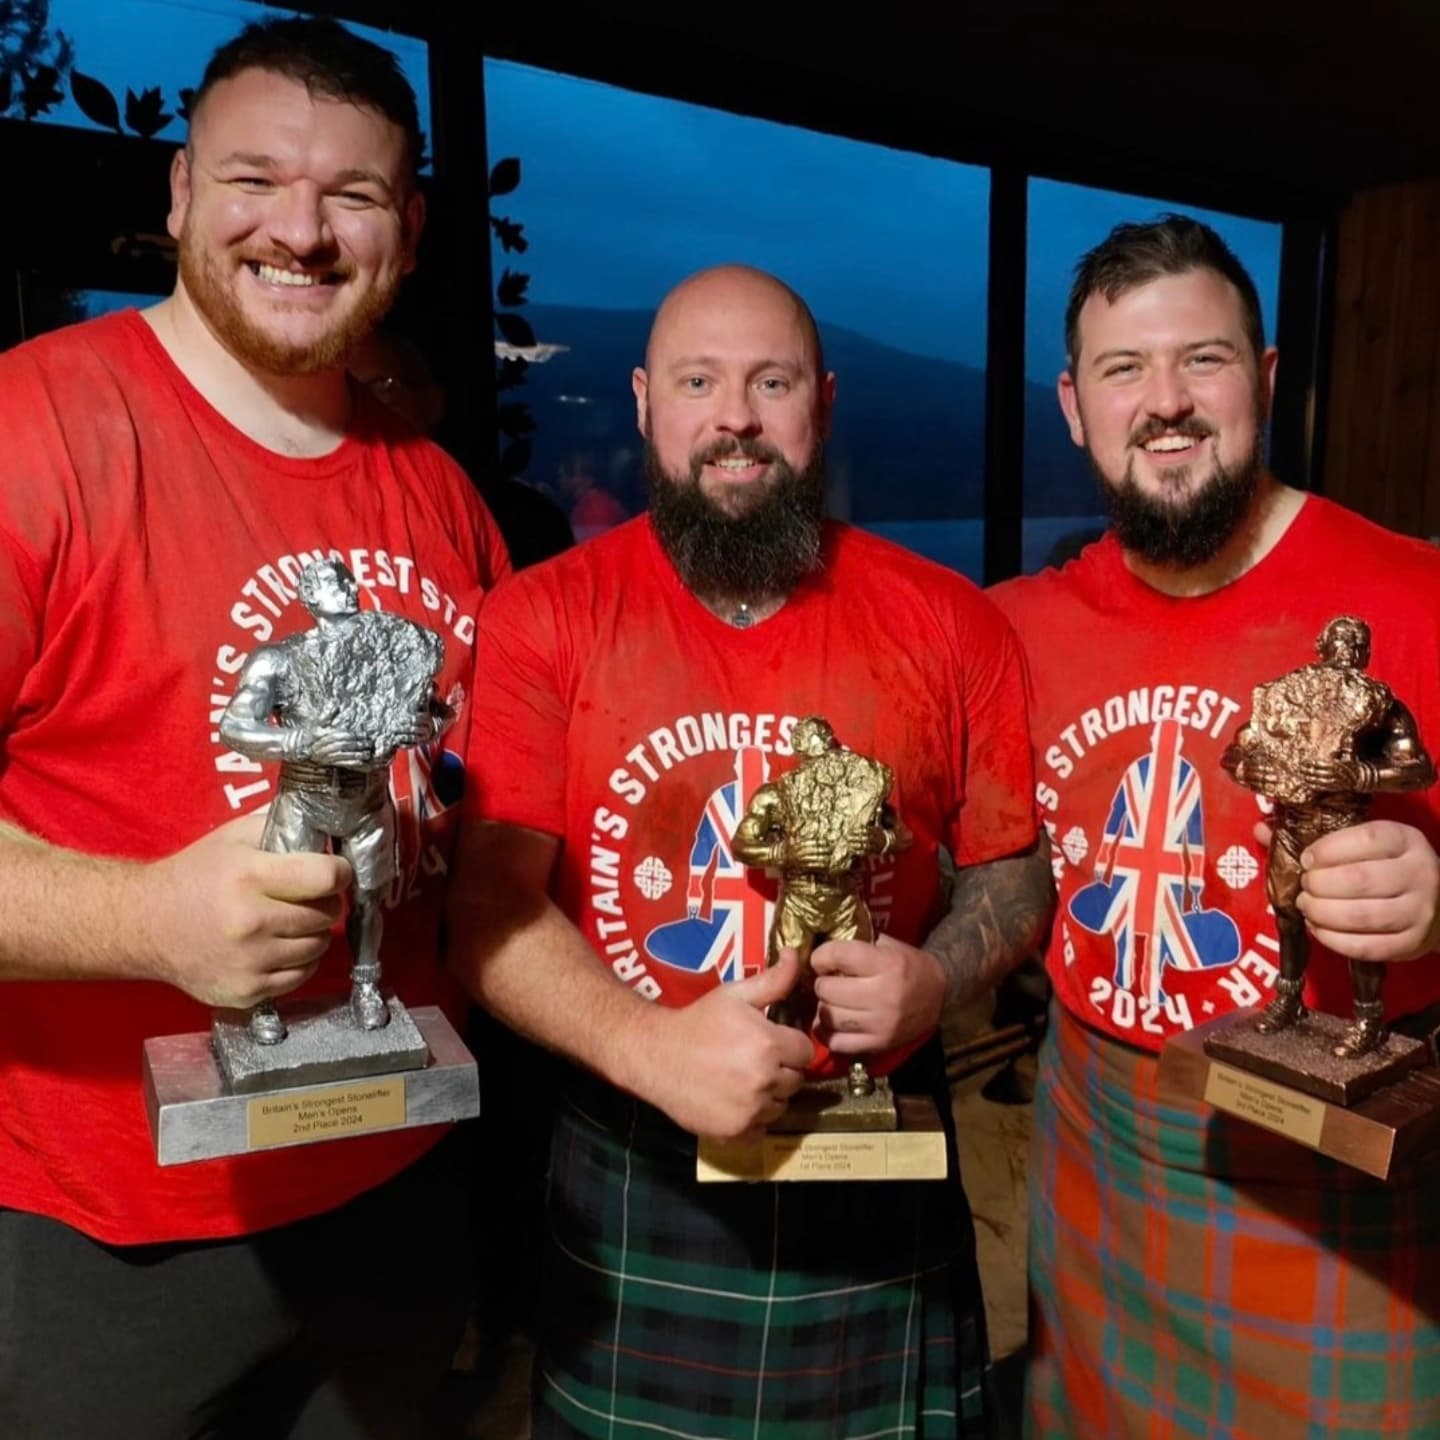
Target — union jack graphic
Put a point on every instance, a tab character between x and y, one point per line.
1151	869
728	906
424	782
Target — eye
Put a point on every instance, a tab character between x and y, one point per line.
1121	368
695	384
1206	360
357	199
255	183
774	385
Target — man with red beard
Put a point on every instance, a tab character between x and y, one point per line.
1193	1274
639	689
168	476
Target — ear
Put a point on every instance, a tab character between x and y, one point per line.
179	193
827	404
1070	406
413	221
640	384
1269	364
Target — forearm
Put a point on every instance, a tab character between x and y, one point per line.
67	916
999	913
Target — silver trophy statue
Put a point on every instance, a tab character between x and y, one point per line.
333	705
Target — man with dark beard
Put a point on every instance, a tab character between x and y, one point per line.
638	690
168	476
1193	1274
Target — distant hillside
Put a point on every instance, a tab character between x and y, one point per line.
908	440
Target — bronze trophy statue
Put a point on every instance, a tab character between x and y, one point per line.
816	825
1321	741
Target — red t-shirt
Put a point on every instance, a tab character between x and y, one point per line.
619	714
1163	921
147	547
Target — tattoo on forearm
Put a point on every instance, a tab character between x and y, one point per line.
998	915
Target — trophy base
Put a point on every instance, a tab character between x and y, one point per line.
830	1106
1375	1132
322	1043
1300	1056
912	1147
193	1116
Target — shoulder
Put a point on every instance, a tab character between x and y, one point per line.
902	580
1334	527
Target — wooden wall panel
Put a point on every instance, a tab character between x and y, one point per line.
1382	453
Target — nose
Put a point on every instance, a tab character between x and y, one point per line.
297	221
1167	394
735	412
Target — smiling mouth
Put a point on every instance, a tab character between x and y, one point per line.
1171	443
294	279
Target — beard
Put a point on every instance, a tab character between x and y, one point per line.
1192	526
217	303
761	545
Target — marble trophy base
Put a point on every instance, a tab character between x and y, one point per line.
1371	1113
317	1094
827	1133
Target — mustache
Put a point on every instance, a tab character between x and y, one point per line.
328	257
734	448
1154	428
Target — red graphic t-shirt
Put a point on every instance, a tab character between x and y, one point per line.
1163	921
146	547
619	714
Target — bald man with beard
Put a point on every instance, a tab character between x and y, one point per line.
638	690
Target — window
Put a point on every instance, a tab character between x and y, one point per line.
1062	503
621	195
142	46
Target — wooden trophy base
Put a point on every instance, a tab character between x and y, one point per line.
195	1114
827	1133
1371	1113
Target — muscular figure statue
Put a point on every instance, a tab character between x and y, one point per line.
1320	742
333	705
816	824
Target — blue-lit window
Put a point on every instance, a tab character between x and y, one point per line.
133	47
621	195
1063	507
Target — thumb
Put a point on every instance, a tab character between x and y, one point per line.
773	983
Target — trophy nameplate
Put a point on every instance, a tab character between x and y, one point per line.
333	705
815	826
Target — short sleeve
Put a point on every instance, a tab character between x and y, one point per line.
32	503
997	813
519	719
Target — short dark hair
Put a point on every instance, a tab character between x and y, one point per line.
327	59
1135	254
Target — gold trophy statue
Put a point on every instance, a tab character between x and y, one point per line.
816	825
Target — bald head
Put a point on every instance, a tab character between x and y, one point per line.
722	291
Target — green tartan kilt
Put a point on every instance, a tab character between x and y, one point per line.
797	1309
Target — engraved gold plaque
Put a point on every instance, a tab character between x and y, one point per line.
296	1117
1276	1107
